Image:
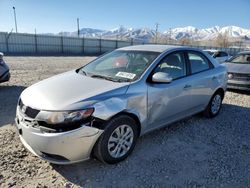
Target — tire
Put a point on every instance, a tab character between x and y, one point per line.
114	145
214	106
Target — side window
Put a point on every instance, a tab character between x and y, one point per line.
219	54
197	62
216	54
173	64
223	54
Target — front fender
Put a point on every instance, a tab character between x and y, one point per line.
106	109
133	104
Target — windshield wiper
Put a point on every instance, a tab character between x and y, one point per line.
107	78
101	77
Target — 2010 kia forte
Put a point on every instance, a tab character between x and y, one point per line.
103	107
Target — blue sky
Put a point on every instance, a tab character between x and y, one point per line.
60	15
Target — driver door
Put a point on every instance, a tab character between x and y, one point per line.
168	102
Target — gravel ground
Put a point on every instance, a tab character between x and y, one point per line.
195	152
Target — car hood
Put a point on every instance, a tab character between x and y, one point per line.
238	68
70	91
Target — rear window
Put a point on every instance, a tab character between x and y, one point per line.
197	62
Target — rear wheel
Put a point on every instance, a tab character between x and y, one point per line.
214	106
117	141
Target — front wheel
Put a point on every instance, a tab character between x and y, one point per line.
117	141
214	105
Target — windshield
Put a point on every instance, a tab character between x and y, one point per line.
120	66
241	58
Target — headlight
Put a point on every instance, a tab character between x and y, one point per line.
230	76
66	117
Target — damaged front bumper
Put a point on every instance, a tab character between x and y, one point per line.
5	77
61	147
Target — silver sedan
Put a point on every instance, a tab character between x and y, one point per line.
103	107
239	71
4	70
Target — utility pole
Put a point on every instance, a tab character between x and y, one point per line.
78	30
15	17
156	31
170	35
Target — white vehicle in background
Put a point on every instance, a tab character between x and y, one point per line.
219	55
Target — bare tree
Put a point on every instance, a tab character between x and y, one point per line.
185	41
222	40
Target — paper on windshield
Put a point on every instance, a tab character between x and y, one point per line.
126	75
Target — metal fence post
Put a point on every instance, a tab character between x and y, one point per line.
100	45
7	42
116	44
83	41
62	44
36	44
7	36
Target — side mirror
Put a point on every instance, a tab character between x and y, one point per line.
162	77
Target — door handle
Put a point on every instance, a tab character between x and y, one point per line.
187	86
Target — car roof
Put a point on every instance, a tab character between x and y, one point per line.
211	50
152	48
164	48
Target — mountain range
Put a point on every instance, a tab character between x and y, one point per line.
146	34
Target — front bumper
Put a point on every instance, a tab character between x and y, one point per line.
5	77
59	148
238	84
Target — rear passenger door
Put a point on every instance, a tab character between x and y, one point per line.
201	77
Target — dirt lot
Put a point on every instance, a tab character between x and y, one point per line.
196	152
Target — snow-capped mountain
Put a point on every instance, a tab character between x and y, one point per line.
141	34
128	33
87	32
232	32
146	34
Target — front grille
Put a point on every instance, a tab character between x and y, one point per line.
239	76
28	111
239	85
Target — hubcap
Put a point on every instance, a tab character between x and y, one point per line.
216	103
120	141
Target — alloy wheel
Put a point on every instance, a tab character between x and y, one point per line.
120	141
216	104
